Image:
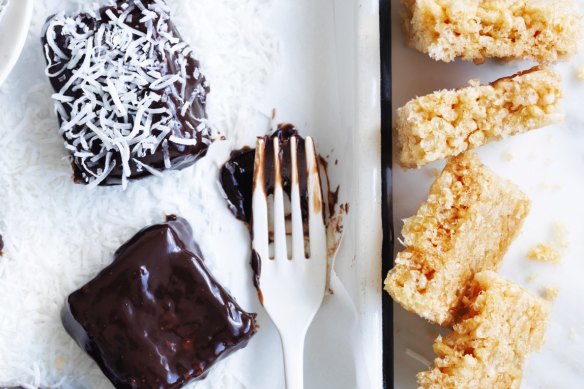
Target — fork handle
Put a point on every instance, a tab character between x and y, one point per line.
293	350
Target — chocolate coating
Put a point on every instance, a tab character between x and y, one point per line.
185	124
237	173
156	317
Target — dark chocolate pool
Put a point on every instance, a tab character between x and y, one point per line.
237	173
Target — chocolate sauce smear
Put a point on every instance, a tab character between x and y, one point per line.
156	317
237	173
237	181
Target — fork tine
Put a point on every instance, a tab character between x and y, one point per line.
260	204
297	228
317	229
280	247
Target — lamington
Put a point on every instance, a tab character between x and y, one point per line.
465	226
541	30
129	92
156	317
499	325
449	122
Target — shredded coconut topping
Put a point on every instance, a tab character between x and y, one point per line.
127	88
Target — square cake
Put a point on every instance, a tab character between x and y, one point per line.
129	92
156	317
540	30
499	325
449	122
465	226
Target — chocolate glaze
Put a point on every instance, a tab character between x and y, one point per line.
332	195
156	317
237	173
181	156
1	245
256	266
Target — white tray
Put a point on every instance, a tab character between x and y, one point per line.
320	71
547	165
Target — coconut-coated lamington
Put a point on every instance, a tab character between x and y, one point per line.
500	324
541	30
465	226
449	122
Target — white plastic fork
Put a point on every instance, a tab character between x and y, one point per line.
293	289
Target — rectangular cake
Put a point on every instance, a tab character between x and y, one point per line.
465	226
129	93
155	317
449	122
499	325
541	30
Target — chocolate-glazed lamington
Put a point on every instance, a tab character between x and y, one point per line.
130	96
155	317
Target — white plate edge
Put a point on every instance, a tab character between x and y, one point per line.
13	16
367	211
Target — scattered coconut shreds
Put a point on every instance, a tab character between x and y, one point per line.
58	235
550	293
580	73
544	253
129	95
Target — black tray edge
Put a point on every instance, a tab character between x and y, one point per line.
386	169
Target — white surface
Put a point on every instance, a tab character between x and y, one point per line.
547	165
14	22
298	56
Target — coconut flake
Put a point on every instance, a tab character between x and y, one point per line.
183	141
119	70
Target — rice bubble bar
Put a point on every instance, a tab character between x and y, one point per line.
544	31
499	326
465	226
449	122
129	92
